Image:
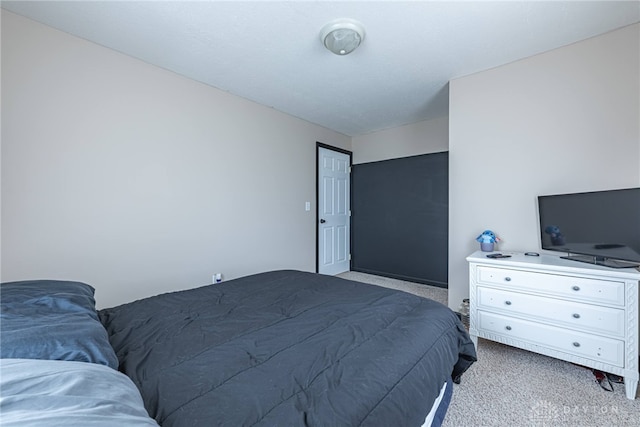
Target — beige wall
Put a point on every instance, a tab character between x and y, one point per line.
429	136
137	180
563	121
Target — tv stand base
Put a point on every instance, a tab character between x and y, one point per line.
605	262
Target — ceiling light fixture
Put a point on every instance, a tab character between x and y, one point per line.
342	36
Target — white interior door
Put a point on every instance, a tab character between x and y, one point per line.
334	212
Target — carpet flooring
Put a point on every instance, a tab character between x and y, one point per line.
513	387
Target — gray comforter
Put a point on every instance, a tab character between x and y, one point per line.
288	348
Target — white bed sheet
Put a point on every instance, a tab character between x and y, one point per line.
55	393
431	415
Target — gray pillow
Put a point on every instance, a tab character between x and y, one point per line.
53	320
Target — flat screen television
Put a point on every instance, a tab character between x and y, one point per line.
600	227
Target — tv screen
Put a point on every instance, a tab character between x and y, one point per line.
602	227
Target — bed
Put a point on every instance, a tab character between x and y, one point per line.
283	348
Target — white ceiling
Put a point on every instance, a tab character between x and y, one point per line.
270	52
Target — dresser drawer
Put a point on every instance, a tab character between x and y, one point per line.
587	317
592	347
574	288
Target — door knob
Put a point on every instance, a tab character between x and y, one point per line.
322	221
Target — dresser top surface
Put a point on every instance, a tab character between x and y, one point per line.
552	262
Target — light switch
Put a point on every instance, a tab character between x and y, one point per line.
307	206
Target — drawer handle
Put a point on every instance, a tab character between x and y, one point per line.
576	344
507	279
508	302
576	316
508	328
576	288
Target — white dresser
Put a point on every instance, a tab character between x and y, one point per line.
578	312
